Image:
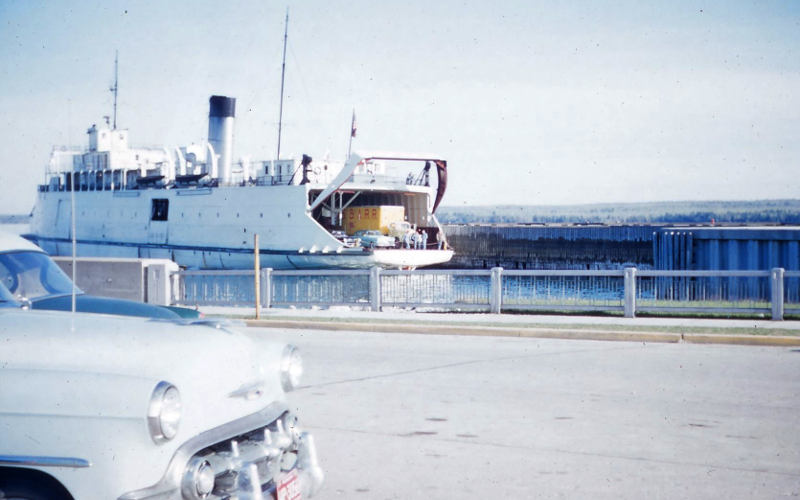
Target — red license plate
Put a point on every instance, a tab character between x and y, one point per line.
289	487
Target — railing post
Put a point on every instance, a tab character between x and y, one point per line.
175	288
375	288
630	292
266	287
256	275
496	291
776	279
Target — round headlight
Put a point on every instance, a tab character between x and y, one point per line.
291	368
164	413
198	479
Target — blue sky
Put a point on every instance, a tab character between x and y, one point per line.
532	102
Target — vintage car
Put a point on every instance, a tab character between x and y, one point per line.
113	407
399	229
7	299
371	238
36	280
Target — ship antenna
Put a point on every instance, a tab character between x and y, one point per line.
283	75
114	88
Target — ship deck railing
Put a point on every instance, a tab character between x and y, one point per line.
771	293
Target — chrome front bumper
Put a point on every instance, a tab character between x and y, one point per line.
242	460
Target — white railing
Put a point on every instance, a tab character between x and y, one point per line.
629	290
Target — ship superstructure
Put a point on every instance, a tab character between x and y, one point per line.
200	208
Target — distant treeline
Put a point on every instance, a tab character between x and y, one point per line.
679	212
14	219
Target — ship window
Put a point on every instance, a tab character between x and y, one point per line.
160	209
132	175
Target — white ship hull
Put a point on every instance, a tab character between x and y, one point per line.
208	228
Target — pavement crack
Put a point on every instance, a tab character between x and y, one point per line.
458	364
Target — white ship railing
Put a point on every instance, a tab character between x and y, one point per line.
629	291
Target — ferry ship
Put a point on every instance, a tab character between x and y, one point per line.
198	207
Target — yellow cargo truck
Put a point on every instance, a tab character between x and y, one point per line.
376	217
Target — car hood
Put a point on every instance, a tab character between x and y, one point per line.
102	305
85	361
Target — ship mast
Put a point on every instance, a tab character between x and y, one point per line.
114	88
283	75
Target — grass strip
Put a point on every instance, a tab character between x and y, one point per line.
774	332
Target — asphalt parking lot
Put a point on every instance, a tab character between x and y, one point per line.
442	417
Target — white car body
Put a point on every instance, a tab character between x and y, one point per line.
75	390
371	238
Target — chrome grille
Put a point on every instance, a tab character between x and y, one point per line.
249	466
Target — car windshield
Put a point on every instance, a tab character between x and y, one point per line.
32	275
6	297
